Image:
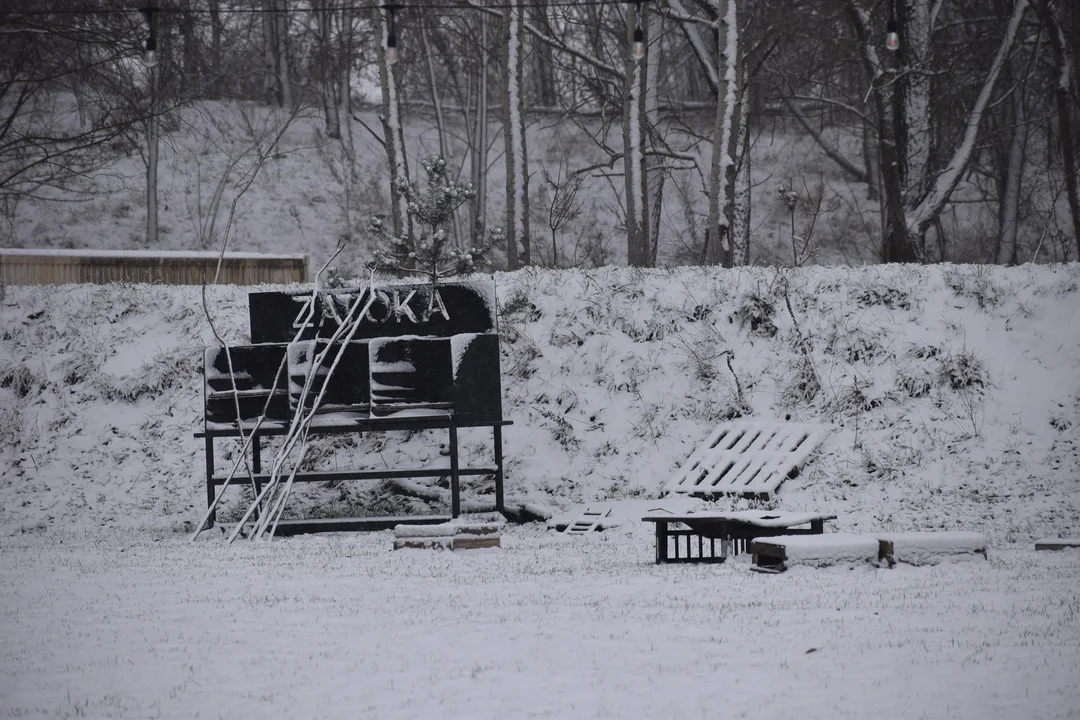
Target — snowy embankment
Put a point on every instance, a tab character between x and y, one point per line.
952	394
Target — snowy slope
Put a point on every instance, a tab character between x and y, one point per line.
952	393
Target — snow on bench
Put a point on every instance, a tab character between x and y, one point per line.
778	553
930	548
1057	543
449	535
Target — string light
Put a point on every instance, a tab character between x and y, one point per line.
637	49
150	56
391	34
892	38
462	5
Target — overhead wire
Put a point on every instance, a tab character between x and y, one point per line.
310	8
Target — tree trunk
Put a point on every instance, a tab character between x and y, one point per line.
634	167
654	163
216	29
271	92
440	120
393	137
896	242
479	155
1067	115
281	37
740	225
327	71
517	158
718	249
543	60
152	167
915	129
1009	208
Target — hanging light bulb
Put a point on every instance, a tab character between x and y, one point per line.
637	48
892	38
391	49
391	35
150	54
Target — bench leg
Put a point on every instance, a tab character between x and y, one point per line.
210	481
455	487
499	500
661	542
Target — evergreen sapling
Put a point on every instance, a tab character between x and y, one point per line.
425	249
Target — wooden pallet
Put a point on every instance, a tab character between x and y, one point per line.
588	521
749	458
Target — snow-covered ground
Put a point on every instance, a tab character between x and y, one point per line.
141	625
952	396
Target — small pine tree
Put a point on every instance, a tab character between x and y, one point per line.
428	251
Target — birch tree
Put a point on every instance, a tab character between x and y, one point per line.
517	158
719	247
634	167
478	155
393	138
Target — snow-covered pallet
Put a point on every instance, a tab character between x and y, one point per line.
449	536
1057	543
749	458
930	548
592	518
777	554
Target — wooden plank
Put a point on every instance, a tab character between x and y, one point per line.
473	542
1057	543
364	524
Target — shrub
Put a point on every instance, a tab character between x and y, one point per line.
890	297
975	283
20	379
962	370
757	312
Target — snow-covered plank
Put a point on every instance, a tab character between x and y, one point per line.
931	548
776	554
1057	543
747	458
590	519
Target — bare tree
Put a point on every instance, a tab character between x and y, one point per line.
916	189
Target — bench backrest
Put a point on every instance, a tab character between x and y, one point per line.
414	349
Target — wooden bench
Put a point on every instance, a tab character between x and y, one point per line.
780	552
402	371
693	536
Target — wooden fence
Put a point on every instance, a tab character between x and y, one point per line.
59	267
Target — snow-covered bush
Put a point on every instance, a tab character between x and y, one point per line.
962	370
21	379
757	312
977	283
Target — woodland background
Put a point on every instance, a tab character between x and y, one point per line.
749	131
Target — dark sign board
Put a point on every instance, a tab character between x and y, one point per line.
391	311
